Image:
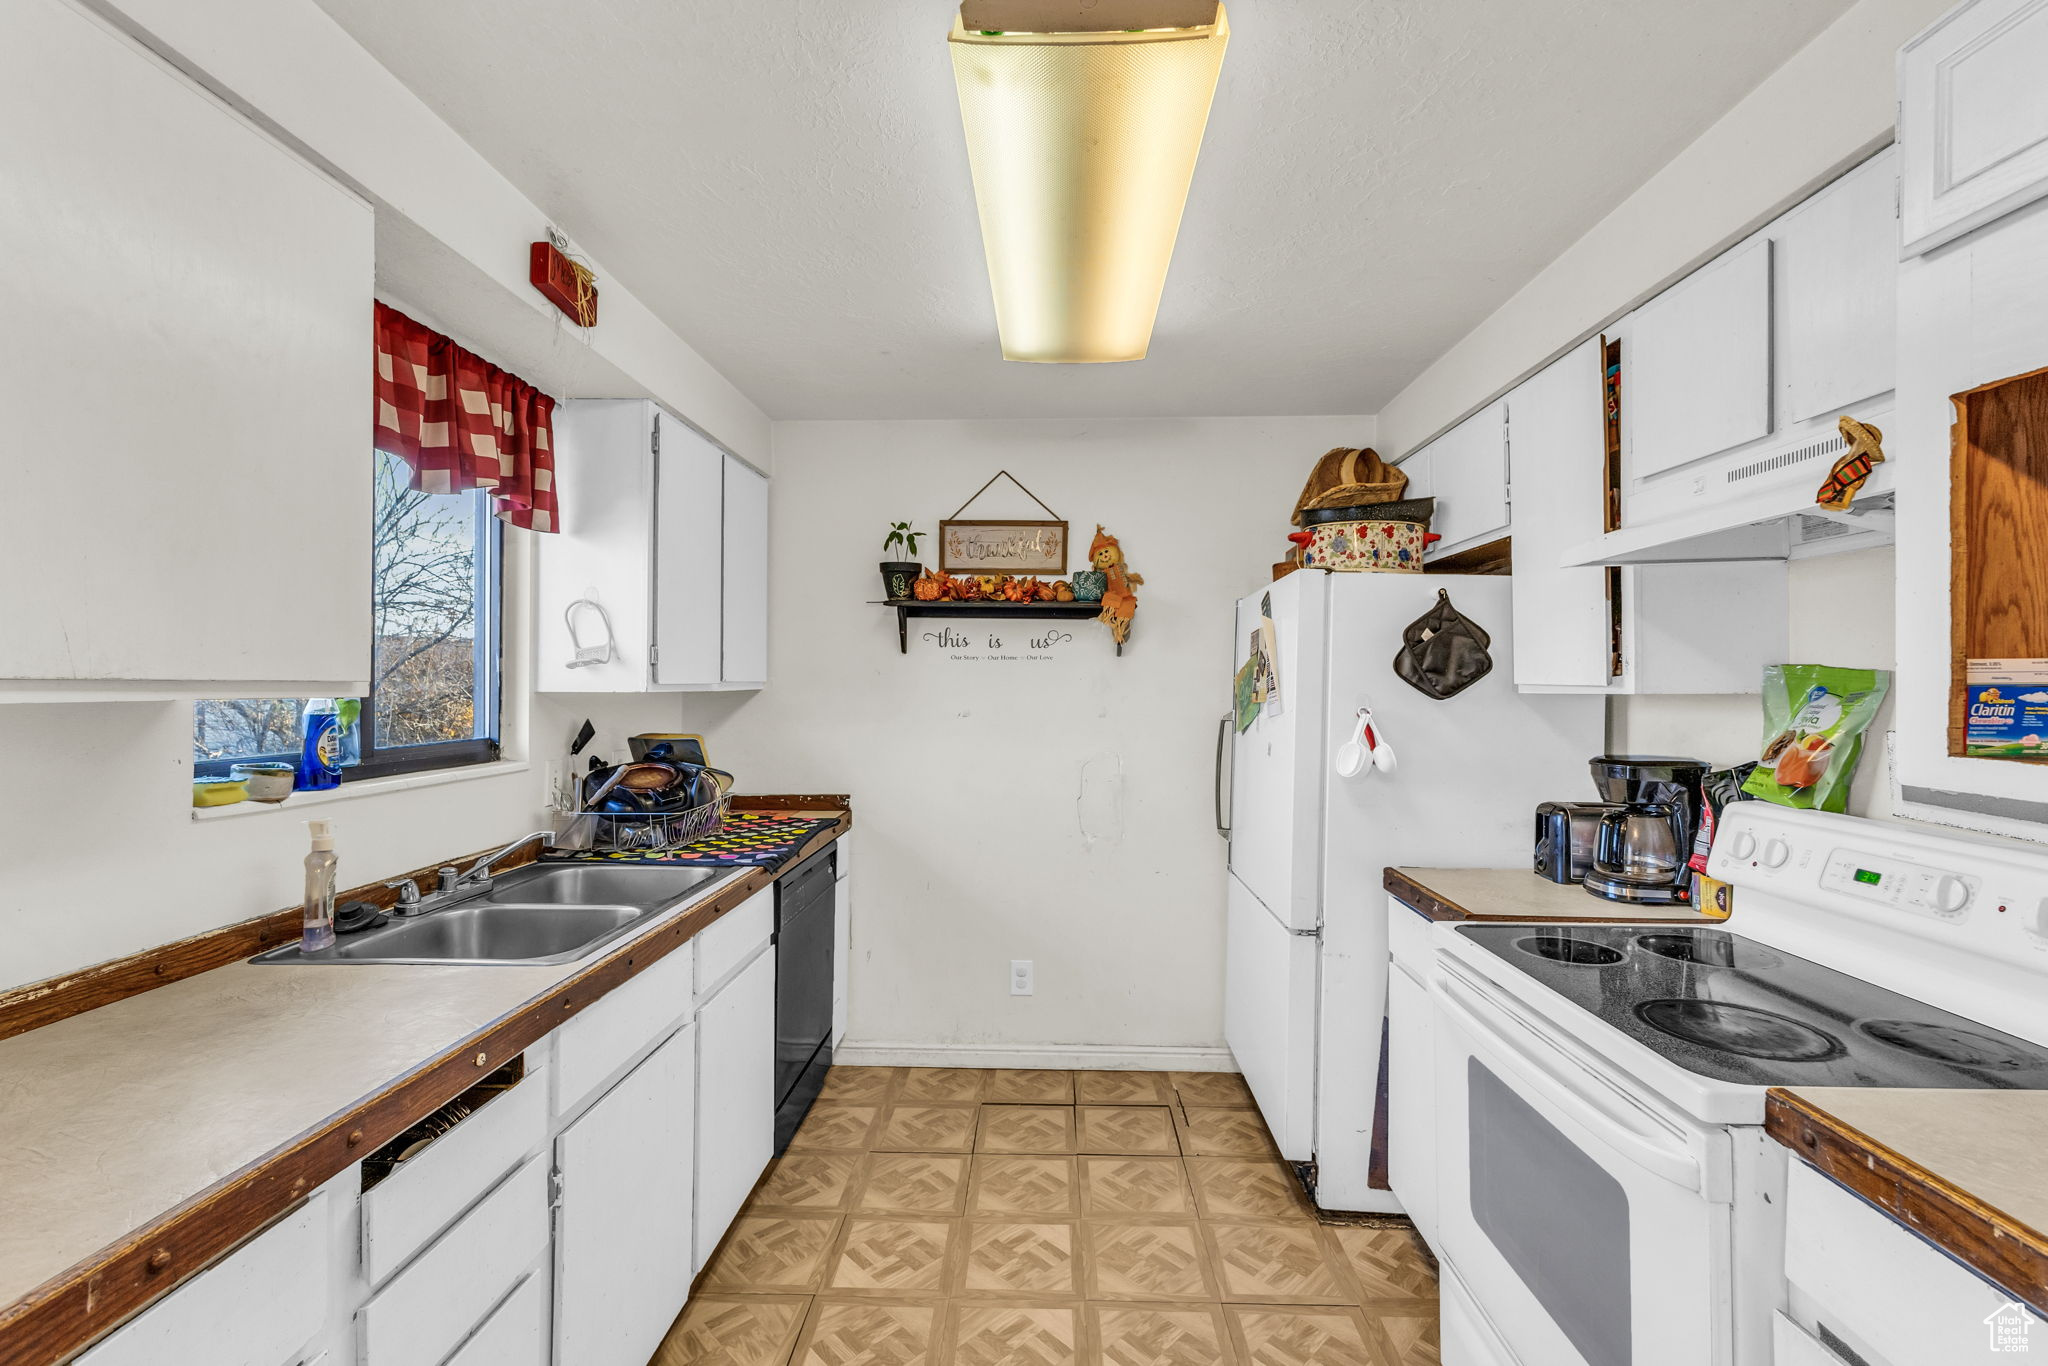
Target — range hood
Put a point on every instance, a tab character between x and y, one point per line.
1755	504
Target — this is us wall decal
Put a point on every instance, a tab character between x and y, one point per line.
1003	644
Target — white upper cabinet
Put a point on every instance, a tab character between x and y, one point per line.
1466	471
659	573
186	374
1973	119
1564	628
1836	261
1654	628
1698	373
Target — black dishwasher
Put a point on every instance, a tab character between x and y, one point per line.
803	989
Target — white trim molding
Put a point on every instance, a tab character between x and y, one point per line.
1078	1056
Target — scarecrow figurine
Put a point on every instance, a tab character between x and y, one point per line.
1119	602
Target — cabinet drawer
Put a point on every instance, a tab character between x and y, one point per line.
725	947
601	1043
433	1304
257	1307
516	1333
403	1212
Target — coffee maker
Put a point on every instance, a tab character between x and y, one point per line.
1641	851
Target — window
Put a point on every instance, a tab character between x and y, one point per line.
435	586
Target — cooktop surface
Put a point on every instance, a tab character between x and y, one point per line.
1723	1007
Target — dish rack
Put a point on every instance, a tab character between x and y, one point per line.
648	832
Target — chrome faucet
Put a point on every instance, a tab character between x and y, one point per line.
479	874
454	886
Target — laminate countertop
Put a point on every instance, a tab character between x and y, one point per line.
1968	1170
1517	894
141	1139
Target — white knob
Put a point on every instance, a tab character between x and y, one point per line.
1951	893
1743	845
1776	853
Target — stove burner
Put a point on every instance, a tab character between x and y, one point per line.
1743	1030
1709	948
1946	1043
1562	948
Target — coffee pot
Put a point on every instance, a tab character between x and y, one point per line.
1642	848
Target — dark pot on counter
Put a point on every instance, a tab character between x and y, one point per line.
897	576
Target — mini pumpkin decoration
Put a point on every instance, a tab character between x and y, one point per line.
929	587
1063	591
1021	590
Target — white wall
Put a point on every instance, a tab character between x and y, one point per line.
1841	615
1828	107
972	780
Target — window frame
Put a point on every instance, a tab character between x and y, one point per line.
489	653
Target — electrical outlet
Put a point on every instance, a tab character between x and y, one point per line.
1020	976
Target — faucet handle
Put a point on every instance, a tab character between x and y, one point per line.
408	892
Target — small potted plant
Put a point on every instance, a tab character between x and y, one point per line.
899	575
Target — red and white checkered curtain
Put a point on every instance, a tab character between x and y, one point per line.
462	423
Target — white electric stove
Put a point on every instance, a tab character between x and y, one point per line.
1606	1194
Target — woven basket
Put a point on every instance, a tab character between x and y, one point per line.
1350	478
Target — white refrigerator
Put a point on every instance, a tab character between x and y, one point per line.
1305	995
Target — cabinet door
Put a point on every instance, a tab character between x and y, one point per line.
1697	371
735	1097
1563	622
1837	267
259	1306
1411	1099
622	1232
1466	471
185	372
1973	119
745	575
687	562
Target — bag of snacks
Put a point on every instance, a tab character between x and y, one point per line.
1814	719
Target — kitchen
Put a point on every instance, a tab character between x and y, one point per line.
1021	1005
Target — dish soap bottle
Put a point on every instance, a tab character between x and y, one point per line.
318	932
320	756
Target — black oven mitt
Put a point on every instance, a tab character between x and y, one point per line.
1443	651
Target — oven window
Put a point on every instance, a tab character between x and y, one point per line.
1555	1214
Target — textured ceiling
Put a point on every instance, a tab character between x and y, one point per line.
784	181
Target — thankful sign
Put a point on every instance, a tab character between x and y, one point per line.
1022	643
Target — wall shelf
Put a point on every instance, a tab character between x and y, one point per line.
906	608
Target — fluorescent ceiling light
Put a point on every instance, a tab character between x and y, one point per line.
1083	141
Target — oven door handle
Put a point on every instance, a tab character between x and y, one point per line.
1603	1115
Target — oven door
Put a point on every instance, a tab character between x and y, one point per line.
1577	1216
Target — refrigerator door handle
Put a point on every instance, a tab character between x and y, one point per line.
1222	798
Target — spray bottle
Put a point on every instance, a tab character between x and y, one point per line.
318	933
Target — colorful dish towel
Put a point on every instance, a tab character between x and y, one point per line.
746	839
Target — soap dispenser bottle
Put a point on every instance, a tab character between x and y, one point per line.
318	931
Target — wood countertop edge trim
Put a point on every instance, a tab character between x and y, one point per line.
90	1299
2011	1255
1435	906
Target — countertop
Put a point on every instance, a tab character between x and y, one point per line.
1968	1170
118	1122
1516	894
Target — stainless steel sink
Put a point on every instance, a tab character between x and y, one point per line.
541	914
587	884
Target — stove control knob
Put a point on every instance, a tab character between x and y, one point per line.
1743	845
1951	893
1776	853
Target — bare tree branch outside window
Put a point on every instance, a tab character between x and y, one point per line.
424	614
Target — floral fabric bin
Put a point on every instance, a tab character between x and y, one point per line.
1364	547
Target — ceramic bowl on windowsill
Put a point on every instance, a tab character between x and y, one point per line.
268	782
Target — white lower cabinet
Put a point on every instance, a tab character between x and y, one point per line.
735	1097
427	1310
260	1306
516	1333
623	1223
1411	1075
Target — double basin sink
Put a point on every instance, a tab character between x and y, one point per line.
540	914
